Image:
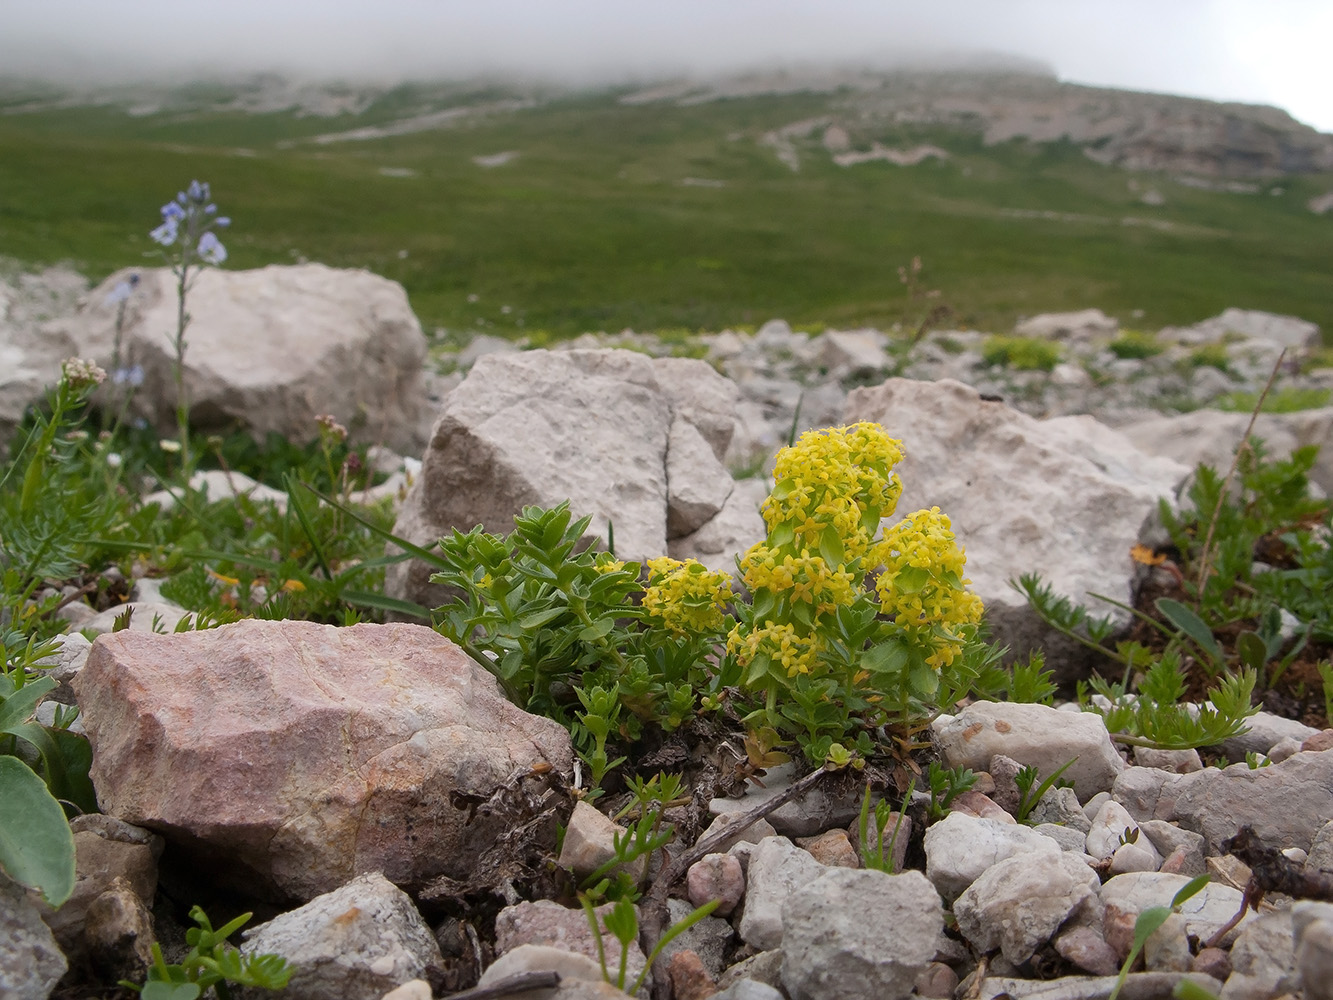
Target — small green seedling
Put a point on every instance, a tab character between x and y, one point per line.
946	784
1027	798
623	923
881	858
210	962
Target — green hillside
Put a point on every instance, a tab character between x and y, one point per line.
656	215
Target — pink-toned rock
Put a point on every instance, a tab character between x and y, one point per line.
833	848
545	922
936	981
291	756
1322	740
1088	950
1118	930
1214	962
716	876
689	979
982	806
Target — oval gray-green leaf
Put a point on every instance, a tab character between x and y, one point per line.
36	846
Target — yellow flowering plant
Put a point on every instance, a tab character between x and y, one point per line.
848	629
840	629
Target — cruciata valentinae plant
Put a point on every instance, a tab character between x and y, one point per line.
189	244
841	629
849	629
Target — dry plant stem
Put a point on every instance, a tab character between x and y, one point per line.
1205	552
521	983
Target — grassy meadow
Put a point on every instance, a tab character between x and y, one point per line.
656	216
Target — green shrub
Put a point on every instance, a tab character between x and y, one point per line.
1288	399
1135	344
1025	354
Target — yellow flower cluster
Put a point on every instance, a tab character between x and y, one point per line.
686	596
835	477
779	642
798	578
922	582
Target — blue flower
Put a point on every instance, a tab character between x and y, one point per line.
128	376
166	233
211	250
222	222
172	211
120	293
198	192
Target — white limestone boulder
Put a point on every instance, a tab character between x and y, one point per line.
267	349
633	441
1210	437
1065	498
1064	326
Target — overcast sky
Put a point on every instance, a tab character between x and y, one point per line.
1259	51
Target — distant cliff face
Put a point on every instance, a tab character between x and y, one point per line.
1134	130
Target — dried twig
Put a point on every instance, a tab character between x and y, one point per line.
510	985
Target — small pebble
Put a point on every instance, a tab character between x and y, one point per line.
689	979
1213	962
832	848
716	876
936	981
1088	950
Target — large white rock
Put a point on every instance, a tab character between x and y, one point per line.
1019	904
1286	331
1210	437
960	848
594	427
29	358
859	935
1065	498
268	349
1034	735
1060	326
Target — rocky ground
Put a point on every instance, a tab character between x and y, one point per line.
393	821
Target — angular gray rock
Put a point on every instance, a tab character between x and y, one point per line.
1061	480
1285	804
859	935
356	943
1063	326
305	754
1019	904
580	976
269	349
1211	436
1263	961
1287	331
30	961
1205	912
111	935
805	816
736	527
960	848
1035	736
30	357
698	484
548	924
777	868
589	426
